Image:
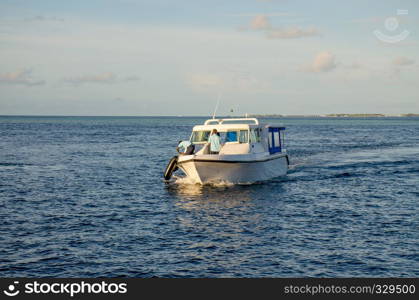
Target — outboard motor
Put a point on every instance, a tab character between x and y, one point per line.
171	167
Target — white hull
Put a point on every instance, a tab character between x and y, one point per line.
233	168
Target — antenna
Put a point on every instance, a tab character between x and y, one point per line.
216	106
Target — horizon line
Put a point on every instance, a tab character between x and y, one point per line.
221	116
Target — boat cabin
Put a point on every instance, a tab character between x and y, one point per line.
239	136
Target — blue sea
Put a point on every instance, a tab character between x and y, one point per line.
85	197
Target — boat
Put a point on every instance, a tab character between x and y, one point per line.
251	151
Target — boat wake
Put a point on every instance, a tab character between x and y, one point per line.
190	181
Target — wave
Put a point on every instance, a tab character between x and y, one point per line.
6	164
189	181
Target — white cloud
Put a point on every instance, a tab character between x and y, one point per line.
230	81
355	66
323	62
105	78
43	18
21	77
273	14
102	78
131	78
291	33
403	61
380	20
370	20
204	81
260	22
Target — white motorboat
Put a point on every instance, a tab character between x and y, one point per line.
250	152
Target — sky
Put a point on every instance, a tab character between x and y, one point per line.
135	57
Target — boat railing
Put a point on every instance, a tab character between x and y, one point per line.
225	121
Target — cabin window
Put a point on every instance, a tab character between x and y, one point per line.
243	137
200	136
254	135
276	139
231	136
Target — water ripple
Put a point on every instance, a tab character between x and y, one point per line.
84	197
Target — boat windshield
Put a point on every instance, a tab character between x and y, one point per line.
231	136
200	137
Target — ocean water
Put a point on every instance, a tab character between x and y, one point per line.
84	197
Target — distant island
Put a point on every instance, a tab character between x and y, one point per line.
332	115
